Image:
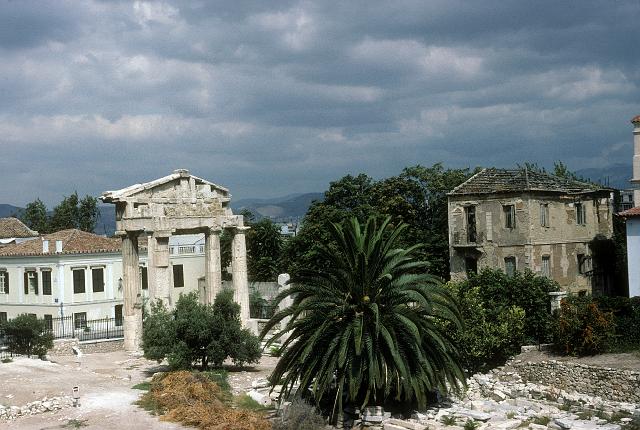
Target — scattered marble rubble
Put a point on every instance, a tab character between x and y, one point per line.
47	404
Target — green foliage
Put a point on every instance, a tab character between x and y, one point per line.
198	333
35	216
542	420
626	313
264	246
144	386
417	197
448	420
365	328
487	337
28	336
299	415
75	424
582	328
526	290
247	403
71	212
471	425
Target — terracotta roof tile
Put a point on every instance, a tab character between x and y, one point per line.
630	213
13	227
635	119
490	181
73	242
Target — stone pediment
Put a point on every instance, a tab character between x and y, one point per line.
178	186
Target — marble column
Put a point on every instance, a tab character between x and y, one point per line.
239	272
159	270
132	293
213	269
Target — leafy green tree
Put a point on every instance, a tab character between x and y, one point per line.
264	246
28	335
368	322
35	216
88	213
195	333
73	212
417	197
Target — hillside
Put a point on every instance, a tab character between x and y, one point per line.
287	207
616	175
9	210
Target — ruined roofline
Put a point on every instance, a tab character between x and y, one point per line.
116	195
510	181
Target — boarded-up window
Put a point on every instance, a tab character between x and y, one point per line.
118	315
471	265
178	276
470	214
46	282
544	214
97	279
510	266
509	216
3	317
581	214
546	266
78	281
48	321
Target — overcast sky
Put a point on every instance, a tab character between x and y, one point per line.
269	98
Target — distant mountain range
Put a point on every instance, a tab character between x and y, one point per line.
280	208
615	176
10	210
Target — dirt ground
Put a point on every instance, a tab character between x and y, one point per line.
106	393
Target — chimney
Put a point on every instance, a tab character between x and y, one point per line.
635	182
58	246
45	246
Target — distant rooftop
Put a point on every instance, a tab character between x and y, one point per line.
490	181
630	213
13	227
73	242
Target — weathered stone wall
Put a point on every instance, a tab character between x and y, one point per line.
109	345
609	383
63	347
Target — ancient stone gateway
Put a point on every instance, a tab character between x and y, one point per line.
175	204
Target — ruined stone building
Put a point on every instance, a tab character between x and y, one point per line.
520	219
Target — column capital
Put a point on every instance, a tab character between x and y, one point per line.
240	229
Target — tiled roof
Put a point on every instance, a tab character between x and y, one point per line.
13	227
635	119
630	213
73	242
489	181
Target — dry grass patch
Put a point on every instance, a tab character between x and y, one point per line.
193	399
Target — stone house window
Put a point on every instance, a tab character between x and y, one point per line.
178	276
4	282
78	281
118	315
46	282
546	266
48	321
97	278
470	215
31	282
510	266
509	216
471	265
544	214
581	214
3	317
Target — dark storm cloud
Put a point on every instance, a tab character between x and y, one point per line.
270	98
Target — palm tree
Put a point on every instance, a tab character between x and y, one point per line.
369	326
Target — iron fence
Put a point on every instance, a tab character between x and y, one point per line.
77	327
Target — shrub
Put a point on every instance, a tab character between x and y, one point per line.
582	328
198	333
487	337
299	415
626	312
526	290
28	335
